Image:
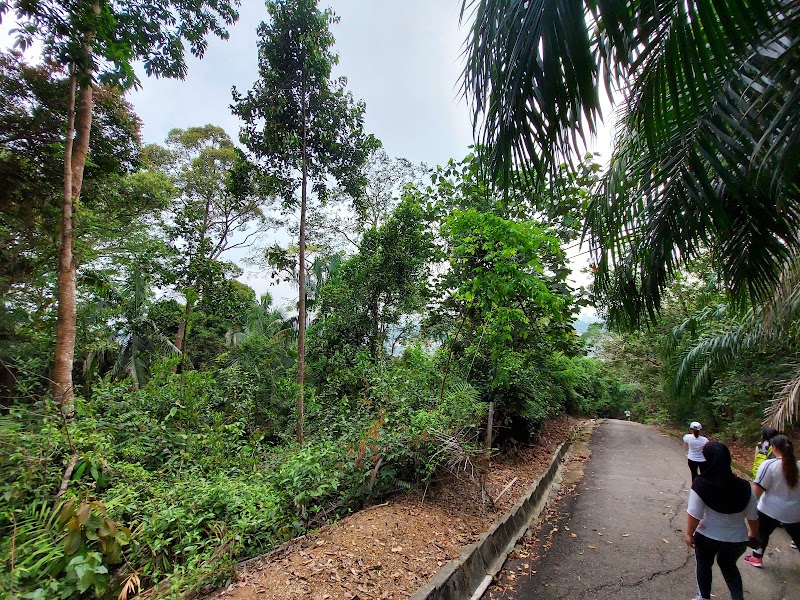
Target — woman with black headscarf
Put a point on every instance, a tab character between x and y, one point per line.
719	505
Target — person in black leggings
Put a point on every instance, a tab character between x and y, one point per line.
777	486
694	444
719	506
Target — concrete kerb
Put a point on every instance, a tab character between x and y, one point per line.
473	570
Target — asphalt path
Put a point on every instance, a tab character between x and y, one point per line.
617	533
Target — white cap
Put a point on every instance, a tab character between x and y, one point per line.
695	425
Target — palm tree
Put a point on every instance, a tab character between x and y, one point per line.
262	318
771	324
141	339
128	339
705	154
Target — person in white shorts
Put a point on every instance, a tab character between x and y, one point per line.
695	442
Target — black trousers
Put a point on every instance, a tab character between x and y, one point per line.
695	467
766	525
726	554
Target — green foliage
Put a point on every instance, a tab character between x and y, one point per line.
358	309
704	156
154	32
179	490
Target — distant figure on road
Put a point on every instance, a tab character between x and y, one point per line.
778	492
695	442
764	448
719	505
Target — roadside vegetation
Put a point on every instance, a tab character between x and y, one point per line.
160	422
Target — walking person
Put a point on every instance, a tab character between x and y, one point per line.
721	519
778	492
764	448
695	443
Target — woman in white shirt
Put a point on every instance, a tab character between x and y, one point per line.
695	442
778	492
722	508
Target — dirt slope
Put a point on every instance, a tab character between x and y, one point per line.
389	551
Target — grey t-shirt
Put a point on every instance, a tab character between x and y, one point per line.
720	526
779	501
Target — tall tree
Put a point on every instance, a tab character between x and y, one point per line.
211	214
302	124
99	40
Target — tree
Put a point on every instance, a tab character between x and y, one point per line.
336	230
119	203
385	281
705	155
211	214
99	41
302	124
718	338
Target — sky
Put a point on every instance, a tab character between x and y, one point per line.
404	59
401	58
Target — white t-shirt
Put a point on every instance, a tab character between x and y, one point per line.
695	446
719	526
779	501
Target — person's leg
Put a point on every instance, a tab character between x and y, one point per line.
727	556
766	525
693	467
793	529
705	550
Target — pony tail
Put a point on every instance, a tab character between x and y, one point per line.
788	461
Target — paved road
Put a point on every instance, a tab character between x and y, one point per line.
618	533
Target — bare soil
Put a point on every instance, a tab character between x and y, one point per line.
390	550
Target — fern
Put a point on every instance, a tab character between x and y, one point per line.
33	548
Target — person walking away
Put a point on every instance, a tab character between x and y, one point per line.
778	492
721	519
695	442
764	448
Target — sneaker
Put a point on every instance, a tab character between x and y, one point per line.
794	545
754	561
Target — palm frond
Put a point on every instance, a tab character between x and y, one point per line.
712	354
532	78
785	406
707	159
691	326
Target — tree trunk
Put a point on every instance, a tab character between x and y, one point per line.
301	271
79	125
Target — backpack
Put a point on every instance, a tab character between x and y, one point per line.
760	458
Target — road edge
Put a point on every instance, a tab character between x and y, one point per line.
468	575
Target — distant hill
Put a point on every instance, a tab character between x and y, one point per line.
582	324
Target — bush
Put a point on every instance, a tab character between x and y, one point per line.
186	481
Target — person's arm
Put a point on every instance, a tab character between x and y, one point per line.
758	490
691	526
751	517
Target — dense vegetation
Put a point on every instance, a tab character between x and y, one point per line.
160	422
190	436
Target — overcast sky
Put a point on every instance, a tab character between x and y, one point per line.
402	58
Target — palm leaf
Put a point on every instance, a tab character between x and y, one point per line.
709	91
785	407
